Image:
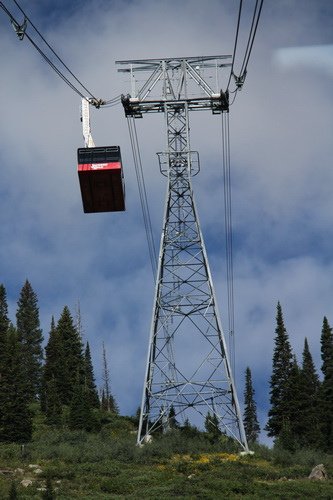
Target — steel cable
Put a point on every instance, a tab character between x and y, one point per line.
142	194
253	31
252	34
235	44
93	100
228	235
52	50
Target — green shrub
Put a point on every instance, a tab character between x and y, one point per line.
10	451
118	485
282	456
309	457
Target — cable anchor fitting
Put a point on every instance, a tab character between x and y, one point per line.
239	80
96	102
20	29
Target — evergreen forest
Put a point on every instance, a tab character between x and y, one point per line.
61	436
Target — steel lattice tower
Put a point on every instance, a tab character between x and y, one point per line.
188	369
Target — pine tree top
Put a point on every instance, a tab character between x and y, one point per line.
4	321
282	366
326	341
251	424
308	366
282	356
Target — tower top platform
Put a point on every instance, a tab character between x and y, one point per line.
195	81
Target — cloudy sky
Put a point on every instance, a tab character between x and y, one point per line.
281	149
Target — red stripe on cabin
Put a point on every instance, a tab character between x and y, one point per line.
116	165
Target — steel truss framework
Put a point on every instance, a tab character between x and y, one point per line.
188	372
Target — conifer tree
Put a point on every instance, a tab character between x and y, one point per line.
106	381
172	421
251	424
31	338
71	357
282	364
113	405
78	320
136	417
16	418
326	393
4	323
307	418
52	370
326	341
292	427
90	379
212	426
189	430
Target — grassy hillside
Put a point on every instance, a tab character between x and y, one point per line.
109	465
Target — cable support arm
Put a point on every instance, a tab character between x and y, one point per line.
96	102
239	80
175	82
20	28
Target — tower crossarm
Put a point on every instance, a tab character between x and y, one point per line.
191	80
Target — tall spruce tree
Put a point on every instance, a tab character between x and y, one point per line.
78	320
89	381
251	424
4	323
172	421
308	414
31	338
278	415
326	393
326	341
52	369
16	417
212	427
292	427
71	357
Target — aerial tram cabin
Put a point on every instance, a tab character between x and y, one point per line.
101	179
